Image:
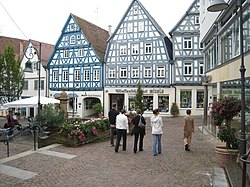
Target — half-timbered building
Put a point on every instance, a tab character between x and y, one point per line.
77	65
138	51
188	64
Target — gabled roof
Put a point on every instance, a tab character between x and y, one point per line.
96	36
18	45
182	18
159	29
45	51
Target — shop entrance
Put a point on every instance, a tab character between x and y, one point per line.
118	99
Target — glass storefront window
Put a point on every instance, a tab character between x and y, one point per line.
148	103
185	99
200	99
163	103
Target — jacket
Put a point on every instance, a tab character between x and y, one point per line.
136	121
112	116
156	124
121	121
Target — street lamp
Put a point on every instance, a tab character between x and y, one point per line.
222	6
30	53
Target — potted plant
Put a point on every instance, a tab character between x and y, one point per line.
98	108
222	113
174	110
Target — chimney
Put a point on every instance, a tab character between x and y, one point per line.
110	30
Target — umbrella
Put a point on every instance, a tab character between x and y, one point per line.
31	102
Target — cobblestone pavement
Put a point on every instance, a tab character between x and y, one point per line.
98	164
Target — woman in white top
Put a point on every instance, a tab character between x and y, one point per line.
156	124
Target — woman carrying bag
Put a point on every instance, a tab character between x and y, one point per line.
139	130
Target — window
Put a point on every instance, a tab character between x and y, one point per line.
141	26
96	75
197	20
135	49
131	102
86	75
185	99
41	86
135	10
148	48
130	27
160	72
71	27
72	40
187	68
200	99
147	72
163	103
55	76
123	50
123	72
80	52
66	53
77	75
201	68
65	75
112	73
187	43
135	72
148	103
26	85
78	36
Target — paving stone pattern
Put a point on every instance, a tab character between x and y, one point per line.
97	164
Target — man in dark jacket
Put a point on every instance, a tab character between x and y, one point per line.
112	121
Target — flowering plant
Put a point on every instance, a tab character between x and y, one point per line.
77	131
224	110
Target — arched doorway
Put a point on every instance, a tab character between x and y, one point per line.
88	103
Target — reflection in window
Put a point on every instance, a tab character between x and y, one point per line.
131	102
185	99
148	103
200	99
163	103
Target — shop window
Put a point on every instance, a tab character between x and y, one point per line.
200	99
148	103
163	103
131	103
185	99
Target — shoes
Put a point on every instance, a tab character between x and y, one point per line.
186	148
124	149
112	146
116	150
141	150
154	154
159	153
134	151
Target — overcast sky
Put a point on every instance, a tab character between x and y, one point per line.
43	20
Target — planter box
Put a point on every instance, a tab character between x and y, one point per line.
225	155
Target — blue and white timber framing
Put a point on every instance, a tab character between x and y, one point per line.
188	63
77	65
138	51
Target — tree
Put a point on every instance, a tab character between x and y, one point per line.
139	97
11	78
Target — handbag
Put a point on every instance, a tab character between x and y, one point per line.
141	124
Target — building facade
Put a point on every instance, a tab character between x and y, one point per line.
138	52
77	65
188	64
221	37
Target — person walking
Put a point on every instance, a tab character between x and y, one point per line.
112	121
122	129
139	131
156	124
188	130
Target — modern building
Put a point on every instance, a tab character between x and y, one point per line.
138	52
77	65
220	35
188	64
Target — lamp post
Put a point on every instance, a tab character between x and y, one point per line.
30	53
219	5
